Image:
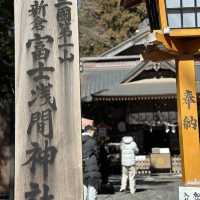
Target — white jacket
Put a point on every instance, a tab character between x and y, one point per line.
128	150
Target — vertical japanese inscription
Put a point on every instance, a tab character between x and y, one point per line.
189	98
65	33
35	192
189	122
186	196
42	101
38	12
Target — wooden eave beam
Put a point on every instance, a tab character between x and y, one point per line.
156	55
164	47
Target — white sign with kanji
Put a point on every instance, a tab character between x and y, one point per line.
189	193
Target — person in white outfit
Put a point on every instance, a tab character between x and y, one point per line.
128	150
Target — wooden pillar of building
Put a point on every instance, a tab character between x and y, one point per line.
188	120
48	163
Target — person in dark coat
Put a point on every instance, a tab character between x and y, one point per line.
91	174
103	160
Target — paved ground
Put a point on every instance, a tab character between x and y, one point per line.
158	187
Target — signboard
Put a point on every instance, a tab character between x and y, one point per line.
48	120
189	193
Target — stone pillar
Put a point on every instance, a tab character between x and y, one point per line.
48	163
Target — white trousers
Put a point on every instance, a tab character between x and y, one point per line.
90	193
128	173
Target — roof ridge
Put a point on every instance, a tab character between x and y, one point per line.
139	34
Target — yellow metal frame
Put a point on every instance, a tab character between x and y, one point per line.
192	32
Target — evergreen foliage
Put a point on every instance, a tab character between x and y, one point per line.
6	51
104	24
7	76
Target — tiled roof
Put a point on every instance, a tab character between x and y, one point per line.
147	87
141	37
104	80
144	88
96	80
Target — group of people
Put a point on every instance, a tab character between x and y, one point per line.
91	169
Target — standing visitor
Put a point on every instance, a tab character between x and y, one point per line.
91	174
128	150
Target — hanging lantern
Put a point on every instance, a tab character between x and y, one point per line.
175	17
183	13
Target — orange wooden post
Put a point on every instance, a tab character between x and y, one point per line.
188	120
